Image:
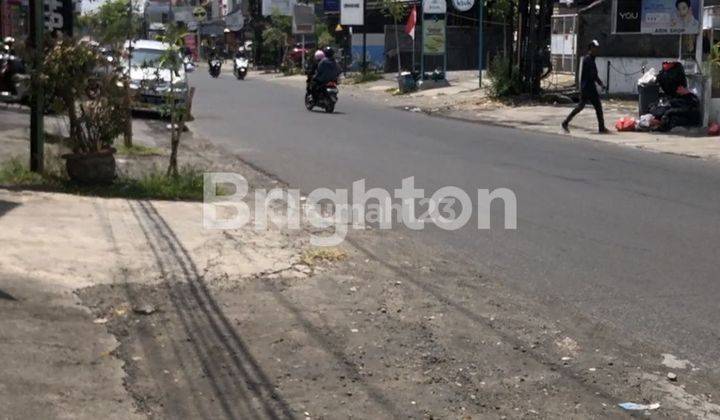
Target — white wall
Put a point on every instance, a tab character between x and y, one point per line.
625	71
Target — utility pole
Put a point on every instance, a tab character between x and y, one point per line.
364	33
128	135
481	49
37	23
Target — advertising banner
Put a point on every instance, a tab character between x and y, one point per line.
434	37
670	17
352	12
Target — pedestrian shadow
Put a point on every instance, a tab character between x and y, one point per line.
7	296
6	206
239	384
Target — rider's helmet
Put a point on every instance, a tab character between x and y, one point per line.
329	52
319	55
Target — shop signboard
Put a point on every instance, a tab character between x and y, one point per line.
431	7
59	16
659	17
463	5
303	19
352	12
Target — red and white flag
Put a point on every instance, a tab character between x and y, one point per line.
410	25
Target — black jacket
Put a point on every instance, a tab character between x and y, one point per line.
589	76
327	71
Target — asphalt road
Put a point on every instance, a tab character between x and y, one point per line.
631	238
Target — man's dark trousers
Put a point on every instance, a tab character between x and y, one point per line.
593	98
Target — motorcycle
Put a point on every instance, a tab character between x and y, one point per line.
240	67
14	82
215	67
326	98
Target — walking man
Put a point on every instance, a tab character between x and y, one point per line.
588	90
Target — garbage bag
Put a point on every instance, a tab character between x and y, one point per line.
648	77
671	76
625	124
647	122
714	129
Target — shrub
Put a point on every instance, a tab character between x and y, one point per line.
90	98
504	78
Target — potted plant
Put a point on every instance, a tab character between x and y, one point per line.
92	101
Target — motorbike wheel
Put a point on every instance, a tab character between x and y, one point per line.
241	76
238	75
330	107
309	102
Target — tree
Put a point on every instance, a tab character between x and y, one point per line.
172	60
397	10
112	23
276	35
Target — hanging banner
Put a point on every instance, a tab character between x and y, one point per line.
434	7
670	16
463	5
434	36
352	12
59	16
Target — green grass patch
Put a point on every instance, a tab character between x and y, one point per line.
138	150
188	185
14	172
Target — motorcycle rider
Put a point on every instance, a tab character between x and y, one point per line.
10	65
311	69
327	71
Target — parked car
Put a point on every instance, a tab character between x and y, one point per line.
150	81
297	52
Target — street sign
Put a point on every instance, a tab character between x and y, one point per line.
434	7
352	12
59	16
463	5
303	19
284	7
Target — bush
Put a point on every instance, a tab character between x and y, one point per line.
91	99
504	78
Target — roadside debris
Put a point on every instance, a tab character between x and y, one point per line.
100	321
671	376
144	309
673	362
639	407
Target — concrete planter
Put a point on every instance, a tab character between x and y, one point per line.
91	168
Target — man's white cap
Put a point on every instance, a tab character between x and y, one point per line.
595	43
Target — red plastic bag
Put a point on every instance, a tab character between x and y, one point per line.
714	129
625	124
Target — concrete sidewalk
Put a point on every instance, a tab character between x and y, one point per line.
59	359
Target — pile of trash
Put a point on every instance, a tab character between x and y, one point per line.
677	106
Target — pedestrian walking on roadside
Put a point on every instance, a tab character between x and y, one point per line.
588	90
